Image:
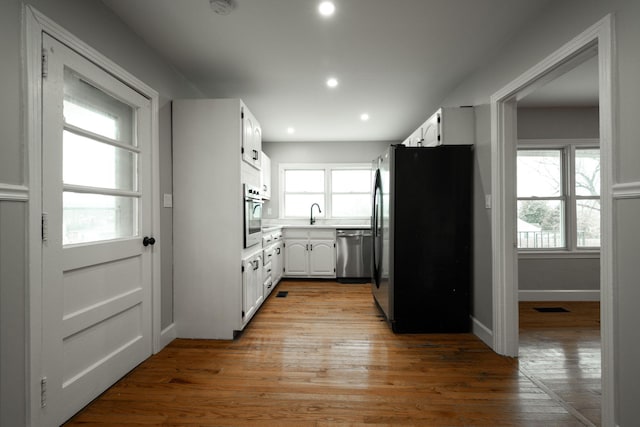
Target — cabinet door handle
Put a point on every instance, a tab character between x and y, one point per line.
306	247
255	154
311	246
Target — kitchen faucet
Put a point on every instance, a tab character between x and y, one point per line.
312	220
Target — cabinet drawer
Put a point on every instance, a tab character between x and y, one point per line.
310	233
322	234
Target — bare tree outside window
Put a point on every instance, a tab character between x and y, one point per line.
547	205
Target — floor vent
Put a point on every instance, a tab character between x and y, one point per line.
551	309
282	294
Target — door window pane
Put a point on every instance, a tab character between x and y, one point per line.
92	163
539	173
588	223
587	172
96	217
540	224
91	109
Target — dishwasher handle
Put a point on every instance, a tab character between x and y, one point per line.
353	233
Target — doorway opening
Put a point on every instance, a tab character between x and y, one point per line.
504	104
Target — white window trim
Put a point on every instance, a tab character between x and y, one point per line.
568	147
327	167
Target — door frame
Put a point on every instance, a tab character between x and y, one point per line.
34	24
503	145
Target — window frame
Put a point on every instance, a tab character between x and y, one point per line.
328	189
568	149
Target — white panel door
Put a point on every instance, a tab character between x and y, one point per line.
96	308
322	258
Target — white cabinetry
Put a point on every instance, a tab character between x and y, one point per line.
278	263
252	293
265	177
251	139
209	170
309	252
449	126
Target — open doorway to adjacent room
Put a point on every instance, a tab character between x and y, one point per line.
558	237
551	222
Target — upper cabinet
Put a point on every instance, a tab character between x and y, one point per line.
447	126
265	177
251	139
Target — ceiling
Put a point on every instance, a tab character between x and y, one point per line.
395	60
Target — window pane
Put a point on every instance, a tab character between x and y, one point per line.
300	205
588	172
95	164
94	217
304	181
91	109
539	173
351	205
588	223
351	181
540	224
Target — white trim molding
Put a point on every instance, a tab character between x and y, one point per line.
597	40
627	190
15	193
167	335
560	295
481	331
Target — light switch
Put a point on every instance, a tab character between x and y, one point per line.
487	201
167	201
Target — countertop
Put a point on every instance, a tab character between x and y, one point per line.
271	228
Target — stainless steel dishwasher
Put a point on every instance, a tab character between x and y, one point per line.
353	255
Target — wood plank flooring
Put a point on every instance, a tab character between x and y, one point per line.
562	351
323	356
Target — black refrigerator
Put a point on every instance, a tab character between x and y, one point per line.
422	238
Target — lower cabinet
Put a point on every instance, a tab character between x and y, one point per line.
309	253
252	286
278	263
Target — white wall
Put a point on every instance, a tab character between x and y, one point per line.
558	24
316	152
97	26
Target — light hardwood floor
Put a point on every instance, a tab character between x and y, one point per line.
561	352
323	356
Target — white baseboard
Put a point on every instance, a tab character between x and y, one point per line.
167	335
559	295
481	331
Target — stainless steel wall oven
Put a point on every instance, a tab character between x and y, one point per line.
252	215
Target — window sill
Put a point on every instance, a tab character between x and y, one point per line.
583	254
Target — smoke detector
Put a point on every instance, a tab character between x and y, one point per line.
222	7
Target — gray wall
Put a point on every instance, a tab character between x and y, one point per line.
482	286
13	276
558	24
559	273
316	152
558	123
97	26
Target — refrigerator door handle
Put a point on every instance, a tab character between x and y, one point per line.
376	228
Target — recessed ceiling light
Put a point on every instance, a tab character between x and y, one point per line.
291	130
332	82
222	7
326	8
364	117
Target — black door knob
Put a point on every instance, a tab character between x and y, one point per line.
148	241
